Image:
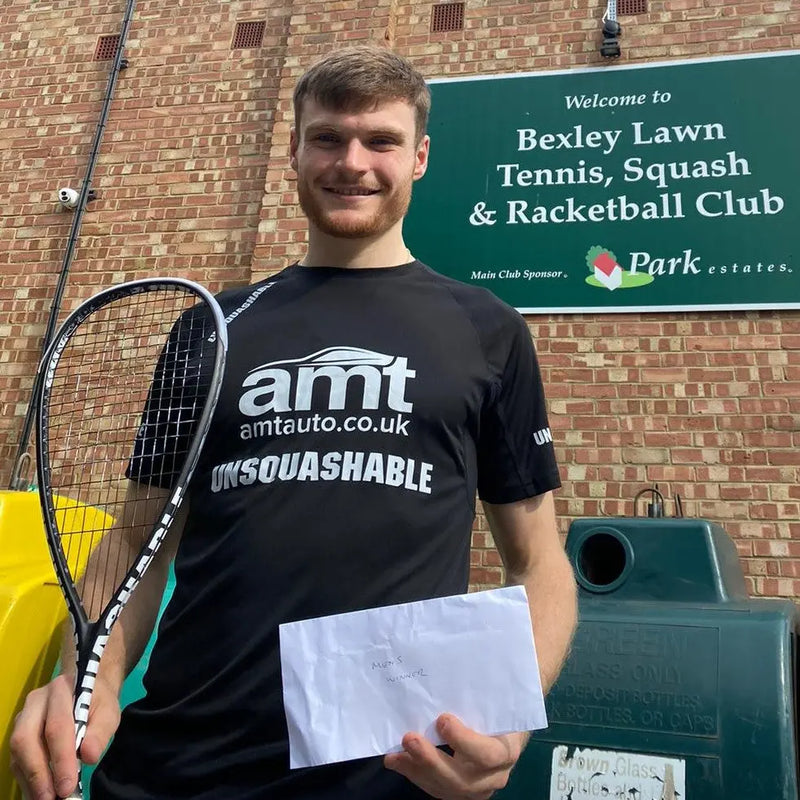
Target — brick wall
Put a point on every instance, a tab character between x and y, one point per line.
180	179
193	179
704	405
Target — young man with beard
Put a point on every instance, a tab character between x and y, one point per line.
366	400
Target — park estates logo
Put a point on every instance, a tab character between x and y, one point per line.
605	271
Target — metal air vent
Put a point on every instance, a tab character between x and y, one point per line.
627	8
447	17
106	48
248	34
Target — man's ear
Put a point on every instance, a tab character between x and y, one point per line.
421	158
293	143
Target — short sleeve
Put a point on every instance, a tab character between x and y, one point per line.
516	458
175	403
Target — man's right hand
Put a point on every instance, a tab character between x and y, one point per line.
43	757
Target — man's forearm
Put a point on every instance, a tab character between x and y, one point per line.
554	613
130	634
526	536
132	631
120	547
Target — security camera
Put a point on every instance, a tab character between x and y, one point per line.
68	197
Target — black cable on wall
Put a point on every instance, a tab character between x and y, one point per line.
18	480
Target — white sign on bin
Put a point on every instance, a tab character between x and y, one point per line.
590	774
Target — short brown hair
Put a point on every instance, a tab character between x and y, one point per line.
361	77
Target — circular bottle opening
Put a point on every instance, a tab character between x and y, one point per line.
604	560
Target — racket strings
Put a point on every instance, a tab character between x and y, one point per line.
125	398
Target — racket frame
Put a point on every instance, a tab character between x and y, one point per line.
92	637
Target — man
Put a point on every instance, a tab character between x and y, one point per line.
366	399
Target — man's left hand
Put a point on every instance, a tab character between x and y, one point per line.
479	766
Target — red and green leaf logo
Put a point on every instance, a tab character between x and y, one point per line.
607	272
602	259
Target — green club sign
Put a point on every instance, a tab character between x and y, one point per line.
558	190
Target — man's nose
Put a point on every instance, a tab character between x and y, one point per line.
354	156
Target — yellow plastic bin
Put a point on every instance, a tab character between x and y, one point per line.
31	611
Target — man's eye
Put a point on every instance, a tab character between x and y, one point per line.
382	141
326	138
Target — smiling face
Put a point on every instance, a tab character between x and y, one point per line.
355	170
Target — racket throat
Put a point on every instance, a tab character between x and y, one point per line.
88	664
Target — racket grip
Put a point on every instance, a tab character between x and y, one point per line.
77	794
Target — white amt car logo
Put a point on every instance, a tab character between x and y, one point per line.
288	385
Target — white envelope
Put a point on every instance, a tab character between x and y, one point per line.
354	684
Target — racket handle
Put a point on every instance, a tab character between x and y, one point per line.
77	794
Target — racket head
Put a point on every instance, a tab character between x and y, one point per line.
158	344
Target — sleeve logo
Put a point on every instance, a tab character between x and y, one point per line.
542	436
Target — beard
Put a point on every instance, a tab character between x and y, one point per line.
347	223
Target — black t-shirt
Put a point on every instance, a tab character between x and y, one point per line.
360	412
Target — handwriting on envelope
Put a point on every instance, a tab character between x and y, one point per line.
391	667
354	684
